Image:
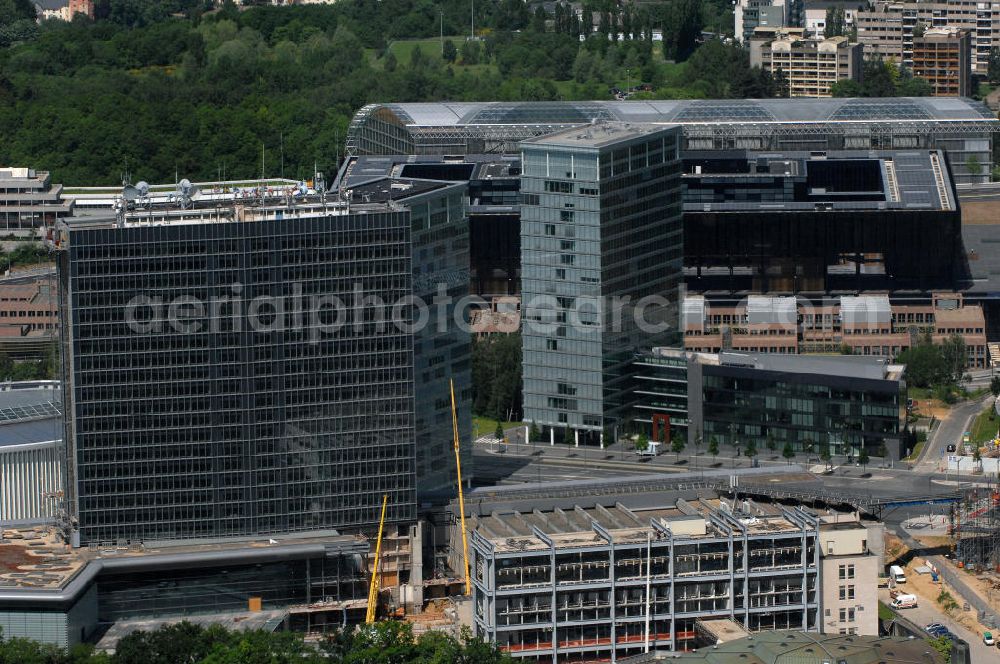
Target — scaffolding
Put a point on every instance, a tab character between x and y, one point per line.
975	527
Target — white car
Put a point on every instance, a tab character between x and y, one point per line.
988	639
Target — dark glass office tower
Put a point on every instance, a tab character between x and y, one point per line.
212	388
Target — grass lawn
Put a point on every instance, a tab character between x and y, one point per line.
984	427
916	450
485	426
884	612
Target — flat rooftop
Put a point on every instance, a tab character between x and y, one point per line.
691	517
878	181
35	560
596	135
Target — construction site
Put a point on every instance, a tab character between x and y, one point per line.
974	527
566	574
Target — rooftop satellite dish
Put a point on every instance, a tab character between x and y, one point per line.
130	193
185	187
143	188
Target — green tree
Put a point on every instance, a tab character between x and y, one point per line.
470	53
713	446
825	456
788	452
995	386
953	353
677	444
770	443
973	165
682	22
642	442
534	435
498	432
568	436
863	458
448	51
750	450
993	66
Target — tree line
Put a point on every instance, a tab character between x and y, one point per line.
383	643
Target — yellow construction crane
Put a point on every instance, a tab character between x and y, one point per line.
373	588
461	496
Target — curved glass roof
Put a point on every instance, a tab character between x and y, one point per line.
732	111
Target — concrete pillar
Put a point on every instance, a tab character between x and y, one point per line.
527	435
601	438
552	436
576	438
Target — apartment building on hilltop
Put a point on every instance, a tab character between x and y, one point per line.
809	66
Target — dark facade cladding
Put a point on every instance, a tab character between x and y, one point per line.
237	426
820	223
442	347
813	403
821	251
740	404
492	191
124	594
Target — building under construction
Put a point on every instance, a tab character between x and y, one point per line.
975	527
590	573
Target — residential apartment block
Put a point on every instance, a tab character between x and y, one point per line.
942	56
890	28
810	66
865	325
752	14
600	225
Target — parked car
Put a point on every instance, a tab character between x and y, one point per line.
951	448
988	639
930	626
941	632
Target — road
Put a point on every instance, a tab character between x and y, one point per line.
925	613
985	191
949	432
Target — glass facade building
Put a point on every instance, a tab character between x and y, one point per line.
211	392
601	246
842	404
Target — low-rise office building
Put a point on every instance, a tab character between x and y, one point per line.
840	404
942	56
29	201
849	324
809	67
29	318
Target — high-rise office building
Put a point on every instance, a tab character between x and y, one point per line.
600	231
247	370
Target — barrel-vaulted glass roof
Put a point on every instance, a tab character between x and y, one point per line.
749	111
